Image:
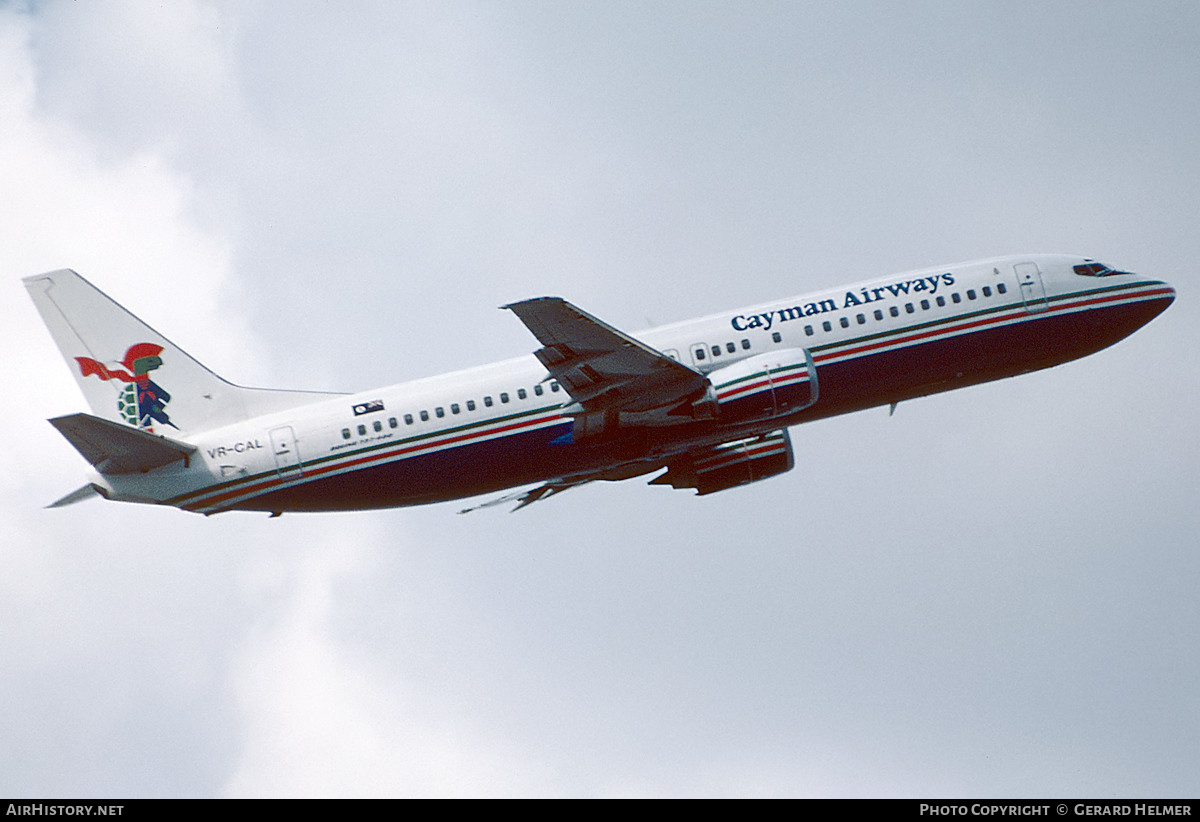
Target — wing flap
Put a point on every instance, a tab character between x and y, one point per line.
527	496
616	473
114	448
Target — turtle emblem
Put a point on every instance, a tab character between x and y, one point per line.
142	402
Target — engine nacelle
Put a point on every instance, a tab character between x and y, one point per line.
731	464
761	387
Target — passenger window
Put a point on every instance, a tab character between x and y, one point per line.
537	389
716	349
827	326
378	426
454	409
441	412
554	386
503	396
970	293
699	354
362	430
521	394
488	401
392	422
895	312
878	314
776	336
941	301
424	416
924	305
408	419
345	433
745	345
987	291
808	330
908	307
1001	288
731	348
955	298
470	405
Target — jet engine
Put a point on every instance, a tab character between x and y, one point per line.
730	464
761	387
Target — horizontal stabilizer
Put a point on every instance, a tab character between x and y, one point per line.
114	448
86	492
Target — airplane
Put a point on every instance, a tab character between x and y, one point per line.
704	404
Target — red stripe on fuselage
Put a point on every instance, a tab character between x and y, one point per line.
1014	314
382	456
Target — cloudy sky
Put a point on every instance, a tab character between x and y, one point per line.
991	593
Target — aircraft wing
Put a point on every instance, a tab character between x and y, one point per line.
118	449
528	496
616	473
601	367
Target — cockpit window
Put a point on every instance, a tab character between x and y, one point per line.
1096	270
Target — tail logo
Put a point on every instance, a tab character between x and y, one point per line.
143	401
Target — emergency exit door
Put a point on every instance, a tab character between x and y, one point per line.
287	457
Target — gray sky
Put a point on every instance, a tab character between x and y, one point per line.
990	593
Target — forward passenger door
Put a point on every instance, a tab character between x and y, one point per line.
1033	293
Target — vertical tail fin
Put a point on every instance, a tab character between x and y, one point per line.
130	373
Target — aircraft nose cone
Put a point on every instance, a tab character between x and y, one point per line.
1162	295
1165	291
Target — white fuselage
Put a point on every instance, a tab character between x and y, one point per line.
494	426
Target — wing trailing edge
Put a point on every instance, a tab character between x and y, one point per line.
528	496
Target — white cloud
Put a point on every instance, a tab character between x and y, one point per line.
138	75
319	717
